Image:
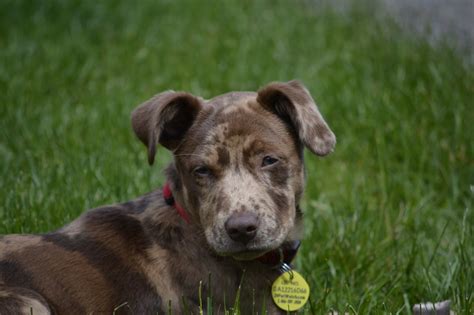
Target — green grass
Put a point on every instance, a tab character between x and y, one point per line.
389	218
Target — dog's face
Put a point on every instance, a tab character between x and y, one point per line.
241	169
239	158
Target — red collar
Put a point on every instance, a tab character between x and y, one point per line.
275	258
169	199
283	254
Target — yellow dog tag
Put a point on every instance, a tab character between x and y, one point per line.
290	291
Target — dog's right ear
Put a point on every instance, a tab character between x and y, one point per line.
165	119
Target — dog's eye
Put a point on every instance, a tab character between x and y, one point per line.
268	160
202	171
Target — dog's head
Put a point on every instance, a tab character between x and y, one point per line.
238	159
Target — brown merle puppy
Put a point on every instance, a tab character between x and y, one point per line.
238	174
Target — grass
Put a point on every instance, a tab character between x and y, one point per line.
389	218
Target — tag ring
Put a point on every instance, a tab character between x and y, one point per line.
286	268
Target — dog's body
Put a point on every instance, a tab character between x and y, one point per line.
238	173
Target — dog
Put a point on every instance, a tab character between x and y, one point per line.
227	217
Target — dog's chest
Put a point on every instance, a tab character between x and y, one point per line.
200	277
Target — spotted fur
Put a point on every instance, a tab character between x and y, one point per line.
140	256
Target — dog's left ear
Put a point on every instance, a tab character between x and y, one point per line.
165	119
292	102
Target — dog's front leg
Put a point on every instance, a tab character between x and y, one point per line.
22	301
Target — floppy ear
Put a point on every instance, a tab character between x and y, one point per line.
292	102
165	119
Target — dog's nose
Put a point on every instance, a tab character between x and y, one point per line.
242	227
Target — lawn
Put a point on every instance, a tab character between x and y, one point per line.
389	215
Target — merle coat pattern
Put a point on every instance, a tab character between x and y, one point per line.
238	172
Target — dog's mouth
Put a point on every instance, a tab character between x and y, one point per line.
244	251
285	253
246	254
